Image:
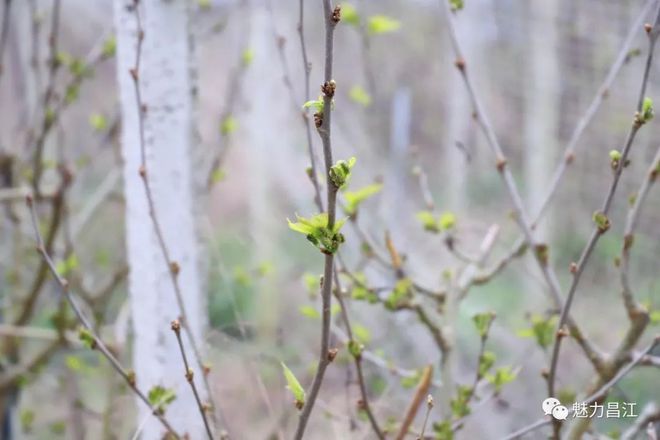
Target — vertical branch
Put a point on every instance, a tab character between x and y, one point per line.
190	377
307	68
323	124
53	66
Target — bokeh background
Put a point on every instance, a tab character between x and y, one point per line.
401	109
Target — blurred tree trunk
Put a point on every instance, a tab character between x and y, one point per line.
541	106
167	88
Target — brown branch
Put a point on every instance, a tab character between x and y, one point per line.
53	64
63	284
176	328
420	393
331	18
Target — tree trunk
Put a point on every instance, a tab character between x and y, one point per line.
166	84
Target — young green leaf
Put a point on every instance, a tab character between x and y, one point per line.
447	221
359	96
316	105
647	109
428	221
247	57
98	122
501	377
228	125
294	386
87	338
382	24
160	397
349	14
355	198
456	5
340	172
309	312
486	361
483	322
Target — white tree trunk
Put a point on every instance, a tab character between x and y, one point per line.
541	106
166	85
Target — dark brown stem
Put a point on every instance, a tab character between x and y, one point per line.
190	378
331	17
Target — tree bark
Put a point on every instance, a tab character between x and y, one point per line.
167	87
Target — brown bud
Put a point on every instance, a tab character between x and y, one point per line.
460	64
628	241
318	119
573	267
176	325
361	405
189	375
545	373
142	171
134	74
336	14
562	332
29	200
648	28
299	404
569	157
206	369
175	268
130	376
501	163
328	88
332	354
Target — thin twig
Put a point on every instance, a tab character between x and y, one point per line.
190	377
429	407
63	284
357	360
331	17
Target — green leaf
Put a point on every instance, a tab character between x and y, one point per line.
601	221
486	362
399	295
382	24
483	321
615	155
443	431
109	47
65	267
87	338
98	122
247	57
456	5
312	283
459	404
27	419
74	363
294	386
411	381
502	376
355	198
316	104
355	348
340	172
447	221
362	334
542	330
318	233
428	221
360	96
218	175
647	109
228	125
160	397
349	14
309	312
655	317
